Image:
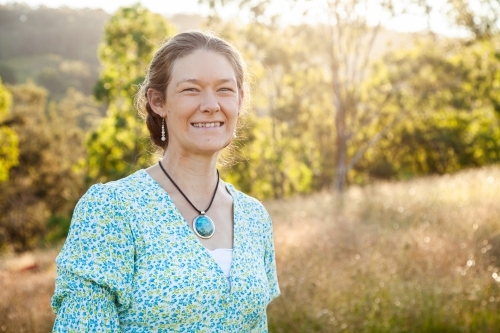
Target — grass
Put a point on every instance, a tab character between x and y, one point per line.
415	256
26	286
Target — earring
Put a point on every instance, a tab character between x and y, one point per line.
234	134
163	129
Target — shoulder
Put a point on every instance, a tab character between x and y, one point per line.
100	216
111	201
248	204
137	181
243	197
129	186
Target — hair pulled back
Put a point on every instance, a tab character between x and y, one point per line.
159	73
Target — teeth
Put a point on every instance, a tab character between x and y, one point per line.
207	124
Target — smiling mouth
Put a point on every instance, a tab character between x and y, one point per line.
208	125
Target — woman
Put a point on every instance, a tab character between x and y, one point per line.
173	248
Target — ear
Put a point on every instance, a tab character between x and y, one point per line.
156	101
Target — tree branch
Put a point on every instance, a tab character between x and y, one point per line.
373	141
17	120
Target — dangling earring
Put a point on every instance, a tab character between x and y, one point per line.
234	134
163	129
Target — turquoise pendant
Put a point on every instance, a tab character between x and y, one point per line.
203	226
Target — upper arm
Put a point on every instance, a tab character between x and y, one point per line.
270	259
99	249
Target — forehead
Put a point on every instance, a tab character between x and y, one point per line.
202	65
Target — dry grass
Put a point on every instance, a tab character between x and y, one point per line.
418	256
26	286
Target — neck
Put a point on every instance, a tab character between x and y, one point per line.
195	175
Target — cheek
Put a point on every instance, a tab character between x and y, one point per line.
180	108
232	107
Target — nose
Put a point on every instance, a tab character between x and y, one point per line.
209	102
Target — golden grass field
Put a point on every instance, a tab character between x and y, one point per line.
416	256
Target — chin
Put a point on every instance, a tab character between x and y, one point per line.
214	149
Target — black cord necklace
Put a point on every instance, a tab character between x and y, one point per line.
203	226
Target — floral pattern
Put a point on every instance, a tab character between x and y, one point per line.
132	264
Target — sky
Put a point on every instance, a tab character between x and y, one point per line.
168	8
165	7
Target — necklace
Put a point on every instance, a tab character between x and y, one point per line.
203	226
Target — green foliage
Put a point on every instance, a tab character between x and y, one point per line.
450	100
478	18
130	38
52	72
28	67
67	74
432	109
23	213
9	150
429	110
118	147
121	143
58	227
270	167
57	48
343	49
286	142
50	175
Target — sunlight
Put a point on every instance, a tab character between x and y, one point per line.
163	7
316	11
311	12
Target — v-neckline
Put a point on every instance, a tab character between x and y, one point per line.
192	237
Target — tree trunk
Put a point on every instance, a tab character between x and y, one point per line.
341	167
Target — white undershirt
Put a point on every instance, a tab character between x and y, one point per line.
223	258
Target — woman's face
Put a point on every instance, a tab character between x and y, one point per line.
202	103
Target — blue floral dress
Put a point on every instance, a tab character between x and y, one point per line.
132	264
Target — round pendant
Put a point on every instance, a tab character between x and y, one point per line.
203	226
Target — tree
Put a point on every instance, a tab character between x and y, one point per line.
452	122
480	18
285	141
9	150
347	50
38	198
120	144
68	74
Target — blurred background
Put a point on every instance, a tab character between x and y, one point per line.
372	137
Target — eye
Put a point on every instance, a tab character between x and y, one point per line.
226	89
190	90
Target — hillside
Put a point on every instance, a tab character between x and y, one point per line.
57	47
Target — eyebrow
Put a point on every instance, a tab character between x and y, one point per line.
198	82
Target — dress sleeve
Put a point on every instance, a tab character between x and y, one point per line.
270	261
95	266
